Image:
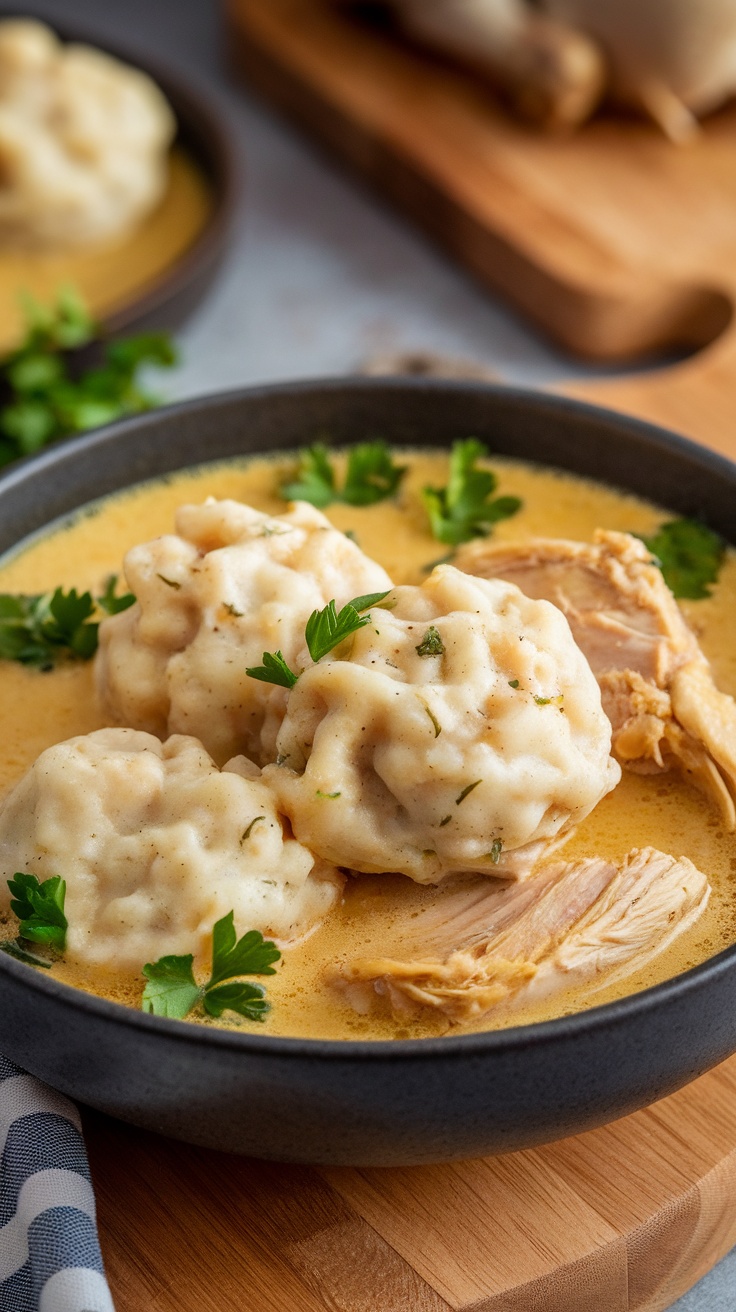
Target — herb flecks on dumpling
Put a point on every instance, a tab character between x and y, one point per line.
461	730
229	585
155	844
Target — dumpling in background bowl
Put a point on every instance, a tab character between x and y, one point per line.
84	141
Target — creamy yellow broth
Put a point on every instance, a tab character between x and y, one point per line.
110	276
40	709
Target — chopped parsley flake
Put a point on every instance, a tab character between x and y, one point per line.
468	789
431	644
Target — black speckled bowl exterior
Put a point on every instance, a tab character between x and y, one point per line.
392	1102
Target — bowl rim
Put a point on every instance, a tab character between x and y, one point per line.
448	1046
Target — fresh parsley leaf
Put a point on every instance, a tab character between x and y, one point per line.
250	955
246	999
495	852
431	644
371	476
689	555
48	399
110	602
465	508
314	478
47	627
40	909
326	628
273	670
173	991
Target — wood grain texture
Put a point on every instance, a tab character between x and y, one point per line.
615	241
622	1219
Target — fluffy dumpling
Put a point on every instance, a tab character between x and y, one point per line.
462	730
83	141
229	585
156	844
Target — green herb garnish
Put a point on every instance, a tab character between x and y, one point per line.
435	722
431	644
40	909
110	602
273	670
173	991
51	626
494	855
689	555
371	476
325	630
47	401
466	509
468	789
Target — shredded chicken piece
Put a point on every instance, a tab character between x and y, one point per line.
586	921
656	684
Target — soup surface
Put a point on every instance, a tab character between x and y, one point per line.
39	709
110	276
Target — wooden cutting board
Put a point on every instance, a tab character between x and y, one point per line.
622	1219
614	242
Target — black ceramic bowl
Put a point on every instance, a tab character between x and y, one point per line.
397	1102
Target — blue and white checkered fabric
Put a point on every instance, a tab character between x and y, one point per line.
50	1258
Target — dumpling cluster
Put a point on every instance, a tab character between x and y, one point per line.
156	844
460	731
83	141
229	585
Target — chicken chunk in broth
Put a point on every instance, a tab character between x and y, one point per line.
574	922
585	922
658	689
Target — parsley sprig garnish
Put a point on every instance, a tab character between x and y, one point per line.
689	555
173	991
40	910
46	400
44	628
324	631
466	508
371	475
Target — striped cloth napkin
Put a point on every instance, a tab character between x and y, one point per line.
50	1258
